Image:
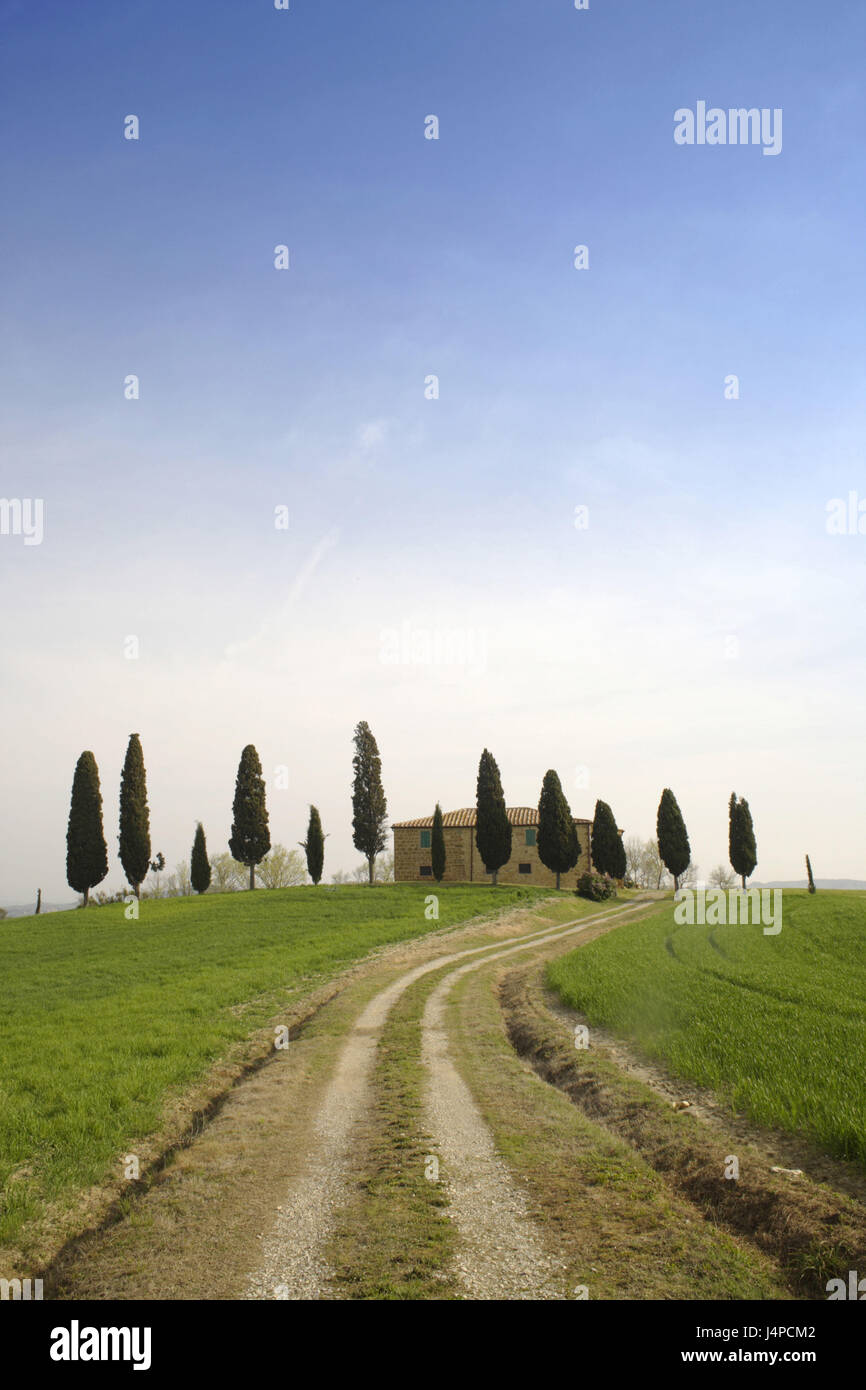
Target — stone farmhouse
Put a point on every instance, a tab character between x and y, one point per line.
463	863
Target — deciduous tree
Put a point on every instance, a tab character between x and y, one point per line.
179	884
156	868
654	871
721	877
227	875
282	868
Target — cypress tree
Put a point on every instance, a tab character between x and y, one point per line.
250	838
86	851
134	816
608	850
742	850
620	859
314	846
557	843
575	845
812	888
492	826
437	845
673	841
369	807
199	864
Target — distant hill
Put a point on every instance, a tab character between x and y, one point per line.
26	910
841	884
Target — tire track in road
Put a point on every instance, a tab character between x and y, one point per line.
502	1255
293	1264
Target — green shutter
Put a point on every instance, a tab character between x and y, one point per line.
425	839
530	835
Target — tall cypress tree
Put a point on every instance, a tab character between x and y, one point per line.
199	864
742	850
557	843
437	845
620	859
250	838
86	851
602	836
812	888
575	845
673	841
369	807
134	816
608	850
314	846
492	826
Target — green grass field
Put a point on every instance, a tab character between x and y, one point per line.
776	1025
105	1019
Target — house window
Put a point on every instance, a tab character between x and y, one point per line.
524	868
530	835
425	839
425	871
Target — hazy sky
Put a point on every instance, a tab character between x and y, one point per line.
703	631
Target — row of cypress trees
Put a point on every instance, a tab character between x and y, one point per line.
86	850
250	840
249	843
87	853
557	842
673	839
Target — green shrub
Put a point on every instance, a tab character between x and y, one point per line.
595	886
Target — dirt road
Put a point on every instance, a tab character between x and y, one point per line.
501	1255
426	1136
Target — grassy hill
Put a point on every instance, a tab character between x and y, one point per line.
774	1024
105	1019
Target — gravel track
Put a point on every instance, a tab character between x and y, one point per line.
501	1254
500	1249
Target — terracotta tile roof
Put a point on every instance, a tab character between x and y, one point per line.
518	815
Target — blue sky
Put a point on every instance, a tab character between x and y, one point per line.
607	649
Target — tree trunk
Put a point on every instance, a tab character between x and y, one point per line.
743	877
676	883
557	881
86	897
495	877
252	876
38	901
371	859
137	890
